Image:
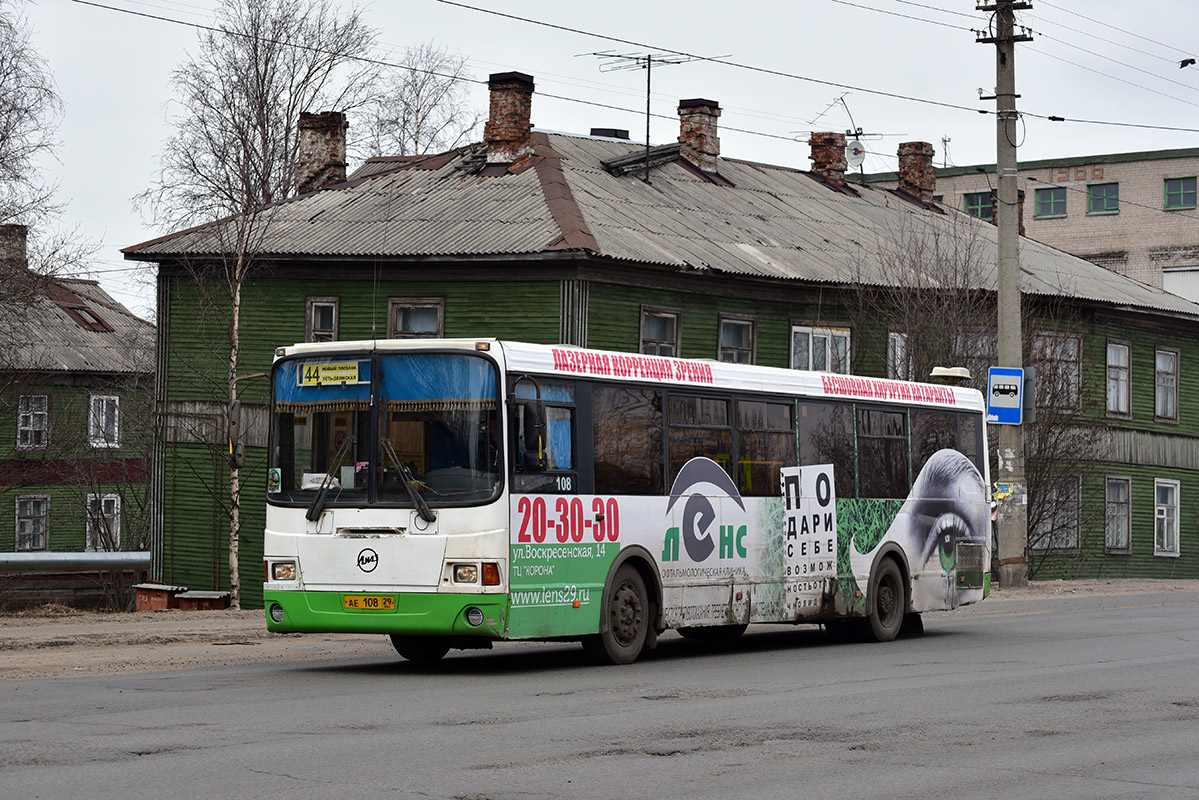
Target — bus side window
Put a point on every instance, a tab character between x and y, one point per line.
558	442
766	435
882	453
938	430
627	440
699	426
825	433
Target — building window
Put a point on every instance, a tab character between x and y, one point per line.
1057	526
820	349
1058	357
415	317
659	332
1103	198
1051	202
33	417
103	522
1119	515
737	340
33	524
1165	517
898	367
1119	379
1180	193
104	421
1165	382
980	204
322	319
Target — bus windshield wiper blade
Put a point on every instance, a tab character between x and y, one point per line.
409	482
318	503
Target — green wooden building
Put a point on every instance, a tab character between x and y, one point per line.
598	241
76	382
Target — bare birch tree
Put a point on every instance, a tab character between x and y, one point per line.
29	114
927	299
233	150
421	107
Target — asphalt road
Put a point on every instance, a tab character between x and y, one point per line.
1068	697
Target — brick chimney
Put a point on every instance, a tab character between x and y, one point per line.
507	130
697	132
12	247
321	160
916	175
828	156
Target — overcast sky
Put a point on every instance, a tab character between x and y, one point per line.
901	69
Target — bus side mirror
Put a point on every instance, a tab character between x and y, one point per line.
533	432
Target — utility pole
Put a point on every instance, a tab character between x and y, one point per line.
1013	509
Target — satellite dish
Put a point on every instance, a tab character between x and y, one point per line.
855	154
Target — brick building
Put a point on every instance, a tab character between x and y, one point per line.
1134	213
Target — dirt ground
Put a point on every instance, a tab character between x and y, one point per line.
56	641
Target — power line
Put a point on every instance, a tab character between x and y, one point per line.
1113	27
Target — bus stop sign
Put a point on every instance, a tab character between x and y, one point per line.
1005	395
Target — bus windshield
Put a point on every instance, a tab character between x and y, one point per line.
397	429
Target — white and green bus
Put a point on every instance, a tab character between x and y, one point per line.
455	493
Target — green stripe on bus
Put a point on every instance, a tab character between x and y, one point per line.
415	614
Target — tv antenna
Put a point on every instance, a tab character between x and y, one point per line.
613	61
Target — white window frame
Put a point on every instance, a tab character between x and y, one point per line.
314	334
660	347
1165	520
96	516
1117	510
750	352
1065	534
396	304
898	366
1119	376
1164	381
96	435
829	335
28	420
29	519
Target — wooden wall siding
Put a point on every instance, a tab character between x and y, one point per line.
206	422
274	314
196	544
1094	562
1143	346
1144	448
614	321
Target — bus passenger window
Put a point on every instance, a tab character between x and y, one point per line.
628	440
557	444
938	430
882	453
699	426
826	437
766	434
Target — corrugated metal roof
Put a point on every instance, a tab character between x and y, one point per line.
772	222
75	326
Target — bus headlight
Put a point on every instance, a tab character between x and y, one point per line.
283	571
466	573
474	617
276	612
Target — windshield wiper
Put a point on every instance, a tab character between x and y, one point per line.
409	482
318	503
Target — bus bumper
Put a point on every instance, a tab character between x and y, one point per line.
415	614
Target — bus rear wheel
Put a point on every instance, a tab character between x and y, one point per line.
888	603
420	648
627	619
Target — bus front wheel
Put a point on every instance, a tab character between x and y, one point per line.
420	648
888	603
627	619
